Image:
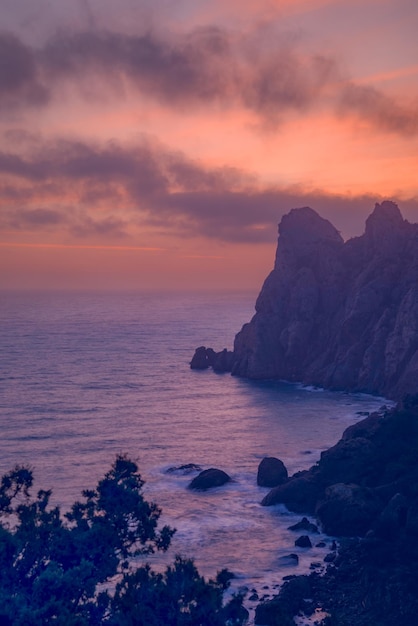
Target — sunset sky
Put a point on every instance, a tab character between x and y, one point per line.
155	144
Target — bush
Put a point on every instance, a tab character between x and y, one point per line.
53	568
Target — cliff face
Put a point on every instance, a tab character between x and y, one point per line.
340	315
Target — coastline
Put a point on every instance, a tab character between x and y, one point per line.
370	578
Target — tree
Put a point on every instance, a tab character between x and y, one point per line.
78	569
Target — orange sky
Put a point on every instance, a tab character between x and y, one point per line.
157	146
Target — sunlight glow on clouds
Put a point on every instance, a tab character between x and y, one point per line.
194	127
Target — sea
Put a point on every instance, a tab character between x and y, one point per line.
84	377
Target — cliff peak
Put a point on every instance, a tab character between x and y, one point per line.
340	315
302	234
385	226
305	225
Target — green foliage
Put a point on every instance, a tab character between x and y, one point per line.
78	569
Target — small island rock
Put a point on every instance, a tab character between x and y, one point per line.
200	359
271	472
209	478
303	542
305	524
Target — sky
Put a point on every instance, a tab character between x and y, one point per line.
155	144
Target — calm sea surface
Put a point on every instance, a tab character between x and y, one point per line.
84	377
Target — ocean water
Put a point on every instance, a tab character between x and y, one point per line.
85	377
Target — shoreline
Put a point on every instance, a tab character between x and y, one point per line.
377	553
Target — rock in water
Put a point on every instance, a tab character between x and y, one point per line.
305	524
340	315
200	360
271	472
209	478
207	357
303	542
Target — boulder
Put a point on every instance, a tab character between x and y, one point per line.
187	468
393	518
298	494
303	542
282	608
209	478
365	428
289	559
348	510
349	461
305	524
271	472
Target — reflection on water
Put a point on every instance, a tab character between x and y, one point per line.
87	377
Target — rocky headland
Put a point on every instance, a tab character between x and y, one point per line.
363	490
342	315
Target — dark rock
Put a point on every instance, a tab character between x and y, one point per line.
365	428
348	510
339	315
299	494
188	468
282	608
289	559
370	580
303	542
223	361
207	357
304	524
234	612
393	518
412	519
348	461
321	544
271	472
200	359
209	478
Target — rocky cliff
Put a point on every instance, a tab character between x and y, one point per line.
343	315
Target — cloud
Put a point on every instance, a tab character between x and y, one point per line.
25	219
77	223
20	84
90	189
262	71
207	65
384	112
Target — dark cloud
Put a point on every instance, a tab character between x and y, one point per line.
150	185
78	223
194	68
251	215
19	75
261	71
207	66
36	219
384	112
85	226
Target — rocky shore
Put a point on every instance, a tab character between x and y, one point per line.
344	315
341	315
365	491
